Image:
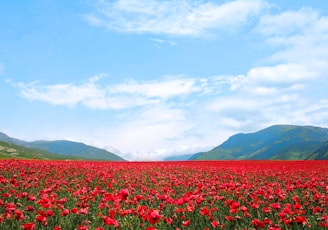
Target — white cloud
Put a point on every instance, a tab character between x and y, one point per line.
287	23
181	18
160	42
117	96
301	37
60	94
155	89
149	127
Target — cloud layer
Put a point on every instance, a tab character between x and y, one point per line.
178	18
118	96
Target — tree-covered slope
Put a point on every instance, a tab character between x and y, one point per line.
65	149
10	150
71	148
276	142
321	153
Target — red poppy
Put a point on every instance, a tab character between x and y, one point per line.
258	224
110	221
168	220
185	223
19	214
40	218
65	212
124	193
29	209
275	206
154	216
205	211
215	223
28	226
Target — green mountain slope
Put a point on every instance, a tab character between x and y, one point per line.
283	142
65	149
71	148
10	150
321	153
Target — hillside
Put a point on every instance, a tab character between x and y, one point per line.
71	148
321	153
279	142
9	150
65	149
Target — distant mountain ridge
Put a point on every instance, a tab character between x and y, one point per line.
10	150
183	157
278	142
65	148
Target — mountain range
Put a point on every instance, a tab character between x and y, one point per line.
10	150
58	149
278	142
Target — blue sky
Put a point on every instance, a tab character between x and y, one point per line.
147	79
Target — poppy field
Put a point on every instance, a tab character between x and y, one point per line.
163	195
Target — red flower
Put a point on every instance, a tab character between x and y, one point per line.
84	211
75	210
258	224
185	223
205	211
168	220
215	223
229	218
300	219
40	218
244	208
28	226
50	213
110	221
62	200
65	212
29	208
275	206
266	209
255	205
124	193
154	216
19	214
234	205
297	206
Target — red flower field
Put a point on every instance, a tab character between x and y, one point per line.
163	195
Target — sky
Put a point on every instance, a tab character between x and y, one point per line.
150	79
